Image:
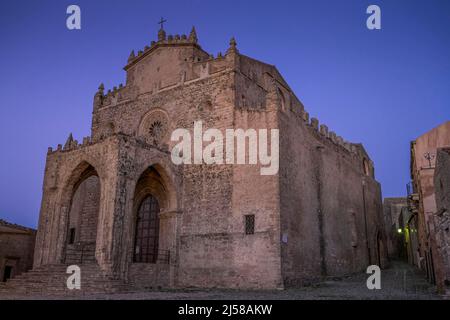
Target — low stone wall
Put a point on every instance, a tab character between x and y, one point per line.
148	275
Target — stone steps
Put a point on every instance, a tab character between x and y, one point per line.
51	280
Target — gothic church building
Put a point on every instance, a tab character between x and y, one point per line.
117	206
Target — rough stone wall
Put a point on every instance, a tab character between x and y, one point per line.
423	177
147	276
153	72
229	257
376	236
423	174
330	203
331	214
16	249
442	179
83	214
323	210
258	195
234	259
442	189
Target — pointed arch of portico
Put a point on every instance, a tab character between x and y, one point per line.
83	170
80	172
156	179
161	181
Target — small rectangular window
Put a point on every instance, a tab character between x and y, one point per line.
71	235
250	224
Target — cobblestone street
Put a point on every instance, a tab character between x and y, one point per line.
400	281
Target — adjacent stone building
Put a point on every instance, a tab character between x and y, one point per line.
16	249
442	188
118	201
423	201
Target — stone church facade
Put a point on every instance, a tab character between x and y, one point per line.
116	199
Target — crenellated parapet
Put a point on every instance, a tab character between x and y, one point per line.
355	149
71	144
323	131
113	96
163	40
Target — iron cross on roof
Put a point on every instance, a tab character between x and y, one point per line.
161	22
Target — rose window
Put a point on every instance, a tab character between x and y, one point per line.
156	130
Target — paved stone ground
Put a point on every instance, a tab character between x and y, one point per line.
400	281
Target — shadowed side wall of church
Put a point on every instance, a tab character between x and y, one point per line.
330	209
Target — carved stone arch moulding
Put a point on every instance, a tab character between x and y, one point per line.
154	127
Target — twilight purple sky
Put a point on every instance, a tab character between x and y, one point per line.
382	88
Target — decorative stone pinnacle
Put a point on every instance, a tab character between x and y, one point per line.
101	88
233	42
161	35
232	48
193	36
69	142
132	56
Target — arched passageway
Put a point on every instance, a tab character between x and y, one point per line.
83	218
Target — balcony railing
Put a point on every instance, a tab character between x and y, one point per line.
412	198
